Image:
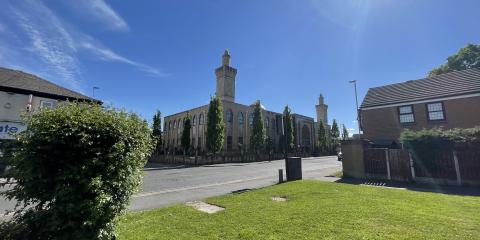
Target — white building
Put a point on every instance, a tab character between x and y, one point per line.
22	92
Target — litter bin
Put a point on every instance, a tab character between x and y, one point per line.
293	167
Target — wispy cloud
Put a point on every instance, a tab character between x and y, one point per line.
48	40
43	39
101	11
109	55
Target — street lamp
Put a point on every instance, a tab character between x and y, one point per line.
356	102
93	91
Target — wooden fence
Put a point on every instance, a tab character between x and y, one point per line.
390	164
461	167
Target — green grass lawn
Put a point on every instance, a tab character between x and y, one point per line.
315	210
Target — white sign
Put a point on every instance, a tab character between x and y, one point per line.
9	128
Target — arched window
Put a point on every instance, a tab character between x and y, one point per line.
240	118
200	119
267	122
250	119
169	125
194	120
229	116
174	124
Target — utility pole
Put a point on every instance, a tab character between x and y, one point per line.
356	102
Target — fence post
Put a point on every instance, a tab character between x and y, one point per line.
412	168
387	157
457	168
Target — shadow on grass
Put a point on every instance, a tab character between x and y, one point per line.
420	187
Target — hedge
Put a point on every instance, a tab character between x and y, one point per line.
76	167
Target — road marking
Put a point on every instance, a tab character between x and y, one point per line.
147	194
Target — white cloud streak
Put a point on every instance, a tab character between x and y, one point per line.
49	41
55	44
109	55
102	12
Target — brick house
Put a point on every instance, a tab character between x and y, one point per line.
450	100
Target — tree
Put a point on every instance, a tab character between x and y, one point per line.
334	134
157	129
466	58
344	132
76	167
322	138
258	135
288	127
185	141
215	126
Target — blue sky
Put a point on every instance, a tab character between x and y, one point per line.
148	55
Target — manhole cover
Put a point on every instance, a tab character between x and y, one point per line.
204	207
279	199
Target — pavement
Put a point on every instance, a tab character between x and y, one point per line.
165	185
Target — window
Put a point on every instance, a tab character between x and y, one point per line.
194	120
200	119
229	116
435	111
229	143
174	124
240	140
46	104
250	119
240	118
267	122
405	114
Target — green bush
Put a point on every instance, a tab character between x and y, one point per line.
76	168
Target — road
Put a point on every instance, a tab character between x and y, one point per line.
165	185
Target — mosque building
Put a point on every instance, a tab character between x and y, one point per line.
238	119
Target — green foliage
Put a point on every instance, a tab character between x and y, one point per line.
288	127
157	128
215	126
76	167
322	138
334	135
7	148
439	139
344	132
258	135
466	58
187	126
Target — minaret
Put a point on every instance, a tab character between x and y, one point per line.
322	110
226	79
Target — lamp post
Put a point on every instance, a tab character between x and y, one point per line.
93	91
356	102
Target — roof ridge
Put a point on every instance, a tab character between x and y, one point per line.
432	77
